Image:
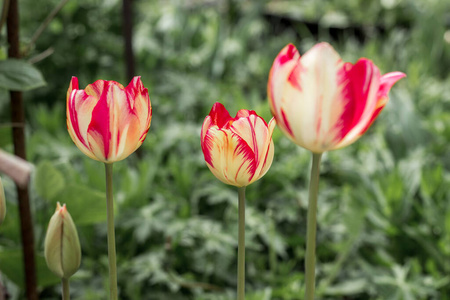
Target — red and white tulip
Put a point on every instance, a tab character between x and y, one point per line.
238	150
107	121
322	103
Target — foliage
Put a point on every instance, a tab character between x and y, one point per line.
384	209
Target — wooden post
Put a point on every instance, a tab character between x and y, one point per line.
127	24
18	117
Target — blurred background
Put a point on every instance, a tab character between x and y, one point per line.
384	202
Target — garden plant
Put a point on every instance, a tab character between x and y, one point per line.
375	226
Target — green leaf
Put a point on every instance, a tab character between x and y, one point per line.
86	206
18	75
12	267
49	181
349	287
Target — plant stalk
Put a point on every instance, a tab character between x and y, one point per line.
310	263
111	234
65	289
241	245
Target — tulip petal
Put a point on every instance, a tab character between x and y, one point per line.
73	86
231	160
254	131
386	83
314	111
79	113
99	87
207	123
281	70
360	86
141	106
220	115
125	125
268	158
100	128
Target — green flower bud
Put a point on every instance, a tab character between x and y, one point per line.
62	247
2	203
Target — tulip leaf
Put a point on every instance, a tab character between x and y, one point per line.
85	205
18	75
48	181
12	267
350	287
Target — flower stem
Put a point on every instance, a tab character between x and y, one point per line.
65	289
111	234
241	245
310	263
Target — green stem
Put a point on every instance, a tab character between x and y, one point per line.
310	263
111	234
65	289
241	245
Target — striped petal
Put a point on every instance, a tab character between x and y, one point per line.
218	117
141	106
361	82
266	160
100	129
314	111
255	132
281	69
131	118
386	83
79	115
232	160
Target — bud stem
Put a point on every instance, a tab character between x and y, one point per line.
241	245
111	234
65	289
310	263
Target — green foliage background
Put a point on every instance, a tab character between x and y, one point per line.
384	202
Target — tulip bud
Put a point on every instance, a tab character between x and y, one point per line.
2	203
62	246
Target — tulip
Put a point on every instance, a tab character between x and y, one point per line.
2	203
106	121
62	246
322	103
239	150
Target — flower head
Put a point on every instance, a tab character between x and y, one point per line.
62	247
322	103
238	150
106	121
